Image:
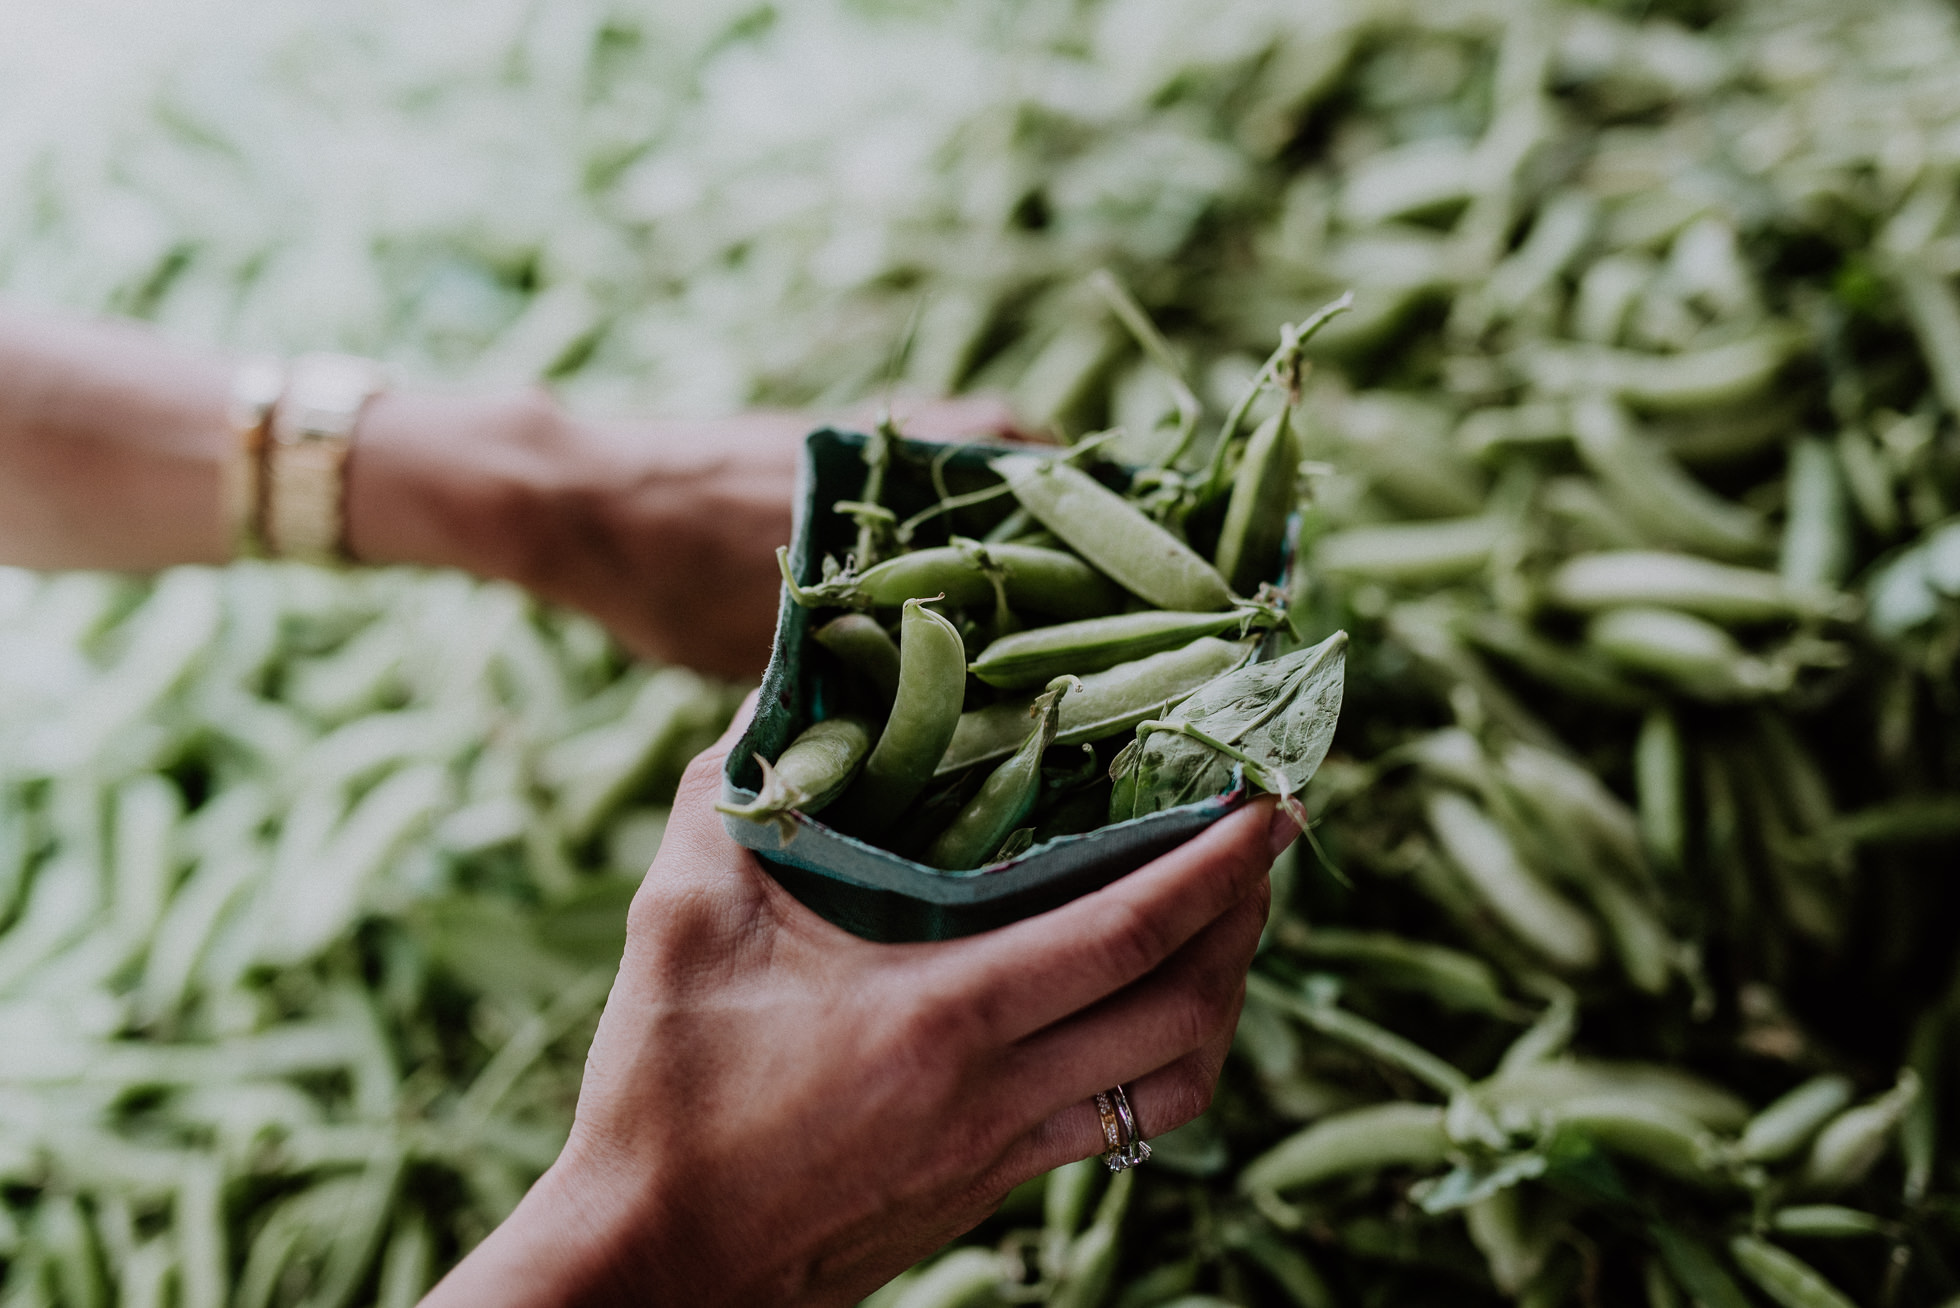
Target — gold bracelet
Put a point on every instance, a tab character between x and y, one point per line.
255	389
312	430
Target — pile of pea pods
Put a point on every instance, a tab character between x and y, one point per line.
1083	630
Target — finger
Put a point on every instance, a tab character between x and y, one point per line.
1160	1102
1181	1007
1021	978
693	817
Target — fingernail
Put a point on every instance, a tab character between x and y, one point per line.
1283	831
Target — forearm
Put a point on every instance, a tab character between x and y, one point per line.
112	445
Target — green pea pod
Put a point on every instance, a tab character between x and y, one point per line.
1691	653
1409	553
1658	768
1645	1132
1817	530
811	773
1857	1138
1454	979
1005	797
1720	591
1788	1124
1254	533
1108	702
1359	1140
1825	1222
1639	938
931	686
1043	580
1535	913
1652	488
1783	1276
864	646
963	1278
1114	534
1033	658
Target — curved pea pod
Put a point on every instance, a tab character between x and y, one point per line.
1032	658
1659	781
863	645
931	686
1044	580
1783	1276
1691	653
1409	553
1645	949
812	772
1538	915
1107	702
1826	1222
1454	979
963	1278
1857	1138
1114	534
1545	1085
1005	797
1653	489
1788	1124
1720	591
1636	1128
1360	1140
1817	529
1253	536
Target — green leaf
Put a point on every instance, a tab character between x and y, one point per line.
1274	719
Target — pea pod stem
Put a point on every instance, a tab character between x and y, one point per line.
1158	351
1283	362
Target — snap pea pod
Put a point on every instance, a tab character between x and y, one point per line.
1856	1139
1663	579
1635	1128
1254	533
1788	1124
1454	979
1043	580
1542	1086
1410	553
1108	702
1783	1276
1661	788
1030	658
1825	1221
1359	1140
864	646
1004	797
1692	653
809	774
1652	488
963	1278
1534	912
931	685
1816	550
1114	535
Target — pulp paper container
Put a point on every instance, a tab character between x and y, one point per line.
866	890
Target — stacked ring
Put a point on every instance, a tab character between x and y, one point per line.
1125	1143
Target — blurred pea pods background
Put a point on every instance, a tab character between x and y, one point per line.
1633	474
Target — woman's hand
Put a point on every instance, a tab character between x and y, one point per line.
776	1112
666	531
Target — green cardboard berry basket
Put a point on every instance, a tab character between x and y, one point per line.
869	891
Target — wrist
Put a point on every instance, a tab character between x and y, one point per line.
478	482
